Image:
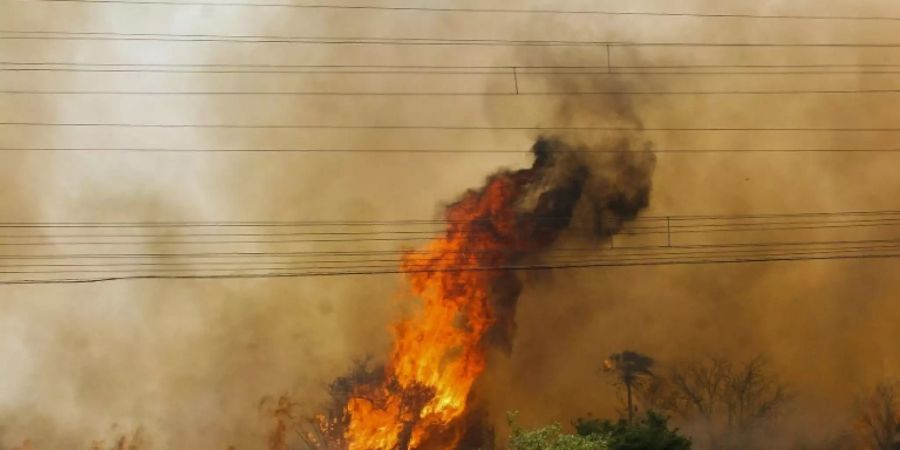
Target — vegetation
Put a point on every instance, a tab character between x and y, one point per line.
630	369
733	402
730	404
552	438
650	433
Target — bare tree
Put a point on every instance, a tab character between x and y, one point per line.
732	400
630	369
753	394
699	387
880	417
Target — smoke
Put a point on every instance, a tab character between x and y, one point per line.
569	321
189	361
823	325
568	187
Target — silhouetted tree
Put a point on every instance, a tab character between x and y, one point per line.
630	369
879	412
732	400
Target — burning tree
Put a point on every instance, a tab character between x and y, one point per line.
323	431
423	398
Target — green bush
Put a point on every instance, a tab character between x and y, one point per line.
650	433
552	438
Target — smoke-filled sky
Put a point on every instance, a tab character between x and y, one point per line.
190	360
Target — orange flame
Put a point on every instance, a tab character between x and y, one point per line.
440	350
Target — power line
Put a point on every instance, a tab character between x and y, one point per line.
413	260
422	263
682	225
357	256
714	260
358	253
890	218
523	71
284	241
890	213
457	94
401	41
445	127
431	9
409	151
642	252
663	223
428	68
588	253
424	235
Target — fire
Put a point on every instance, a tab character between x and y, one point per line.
466	293
440	351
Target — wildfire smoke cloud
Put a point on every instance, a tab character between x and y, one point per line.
468	297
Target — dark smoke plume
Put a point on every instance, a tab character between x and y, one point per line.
568	183
564	181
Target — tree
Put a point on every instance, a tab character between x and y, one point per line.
630	370
753	394
650	433
732	400
323	431
880	417
699	387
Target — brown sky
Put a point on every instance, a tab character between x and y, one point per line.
189	360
